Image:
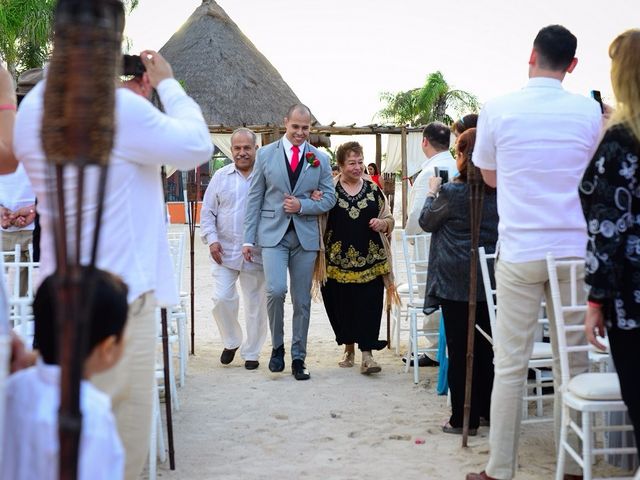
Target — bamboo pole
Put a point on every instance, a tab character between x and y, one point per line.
167	388
476	195
379	152
405	189
194	194
86	45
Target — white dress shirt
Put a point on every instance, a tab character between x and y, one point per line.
286	144
418	192
222	218
133	240
30	446
15	193
539	140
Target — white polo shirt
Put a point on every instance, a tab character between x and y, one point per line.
539	140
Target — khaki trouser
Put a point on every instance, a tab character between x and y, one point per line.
24	238
520	287
130	384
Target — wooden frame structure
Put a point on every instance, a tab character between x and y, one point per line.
271	132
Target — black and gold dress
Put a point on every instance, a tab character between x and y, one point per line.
356	262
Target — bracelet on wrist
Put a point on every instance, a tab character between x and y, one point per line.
8	106
594	304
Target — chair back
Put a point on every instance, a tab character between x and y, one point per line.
415	250
487	261
570	267
176	249
15	271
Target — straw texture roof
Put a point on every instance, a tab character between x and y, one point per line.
222	70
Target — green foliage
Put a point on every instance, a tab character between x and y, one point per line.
332	155
434	101
26	32
26	28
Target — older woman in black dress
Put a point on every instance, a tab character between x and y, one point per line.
358	261
446	215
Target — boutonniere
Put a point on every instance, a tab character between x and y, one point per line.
312	160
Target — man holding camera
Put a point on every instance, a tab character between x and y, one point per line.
435	145
133	242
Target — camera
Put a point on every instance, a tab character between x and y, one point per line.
132	65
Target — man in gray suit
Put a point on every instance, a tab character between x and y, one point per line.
282	218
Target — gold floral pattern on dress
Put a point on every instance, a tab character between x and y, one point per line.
345	276
361	198
341	264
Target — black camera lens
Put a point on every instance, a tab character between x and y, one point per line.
132	65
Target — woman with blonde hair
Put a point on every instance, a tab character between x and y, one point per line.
610	195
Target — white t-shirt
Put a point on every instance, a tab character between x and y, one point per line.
133	241
30	446
539	140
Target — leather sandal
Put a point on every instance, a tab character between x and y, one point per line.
369	365
347	360
447	428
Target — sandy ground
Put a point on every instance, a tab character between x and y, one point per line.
235	423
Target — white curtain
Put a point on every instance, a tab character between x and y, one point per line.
415	156
220	140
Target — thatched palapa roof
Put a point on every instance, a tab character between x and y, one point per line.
222	70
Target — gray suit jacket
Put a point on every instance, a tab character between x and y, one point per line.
266	222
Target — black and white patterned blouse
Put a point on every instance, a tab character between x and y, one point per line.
610	196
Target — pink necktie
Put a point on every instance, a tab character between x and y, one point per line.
295	158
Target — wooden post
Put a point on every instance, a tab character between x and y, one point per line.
476	194
379	152
405	180
167	388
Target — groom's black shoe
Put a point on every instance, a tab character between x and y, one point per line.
276	364
299	370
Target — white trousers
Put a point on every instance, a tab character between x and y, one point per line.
129	383
520	287
226	306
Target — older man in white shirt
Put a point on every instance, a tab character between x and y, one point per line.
221	227
133	240
435	146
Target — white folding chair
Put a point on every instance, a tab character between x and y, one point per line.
587	393
541	357
399	316
157	449
415	249
177	315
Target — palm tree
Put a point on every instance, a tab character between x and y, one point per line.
26	27
433	101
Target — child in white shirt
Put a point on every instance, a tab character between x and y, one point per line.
30	448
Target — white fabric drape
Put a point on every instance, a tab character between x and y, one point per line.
223	142
415	156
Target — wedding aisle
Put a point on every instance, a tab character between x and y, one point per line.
338	425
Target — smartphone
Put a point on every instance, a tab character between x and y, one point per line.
443	173
595	94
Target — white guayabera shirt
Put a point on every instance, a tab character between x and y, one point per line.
222	217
